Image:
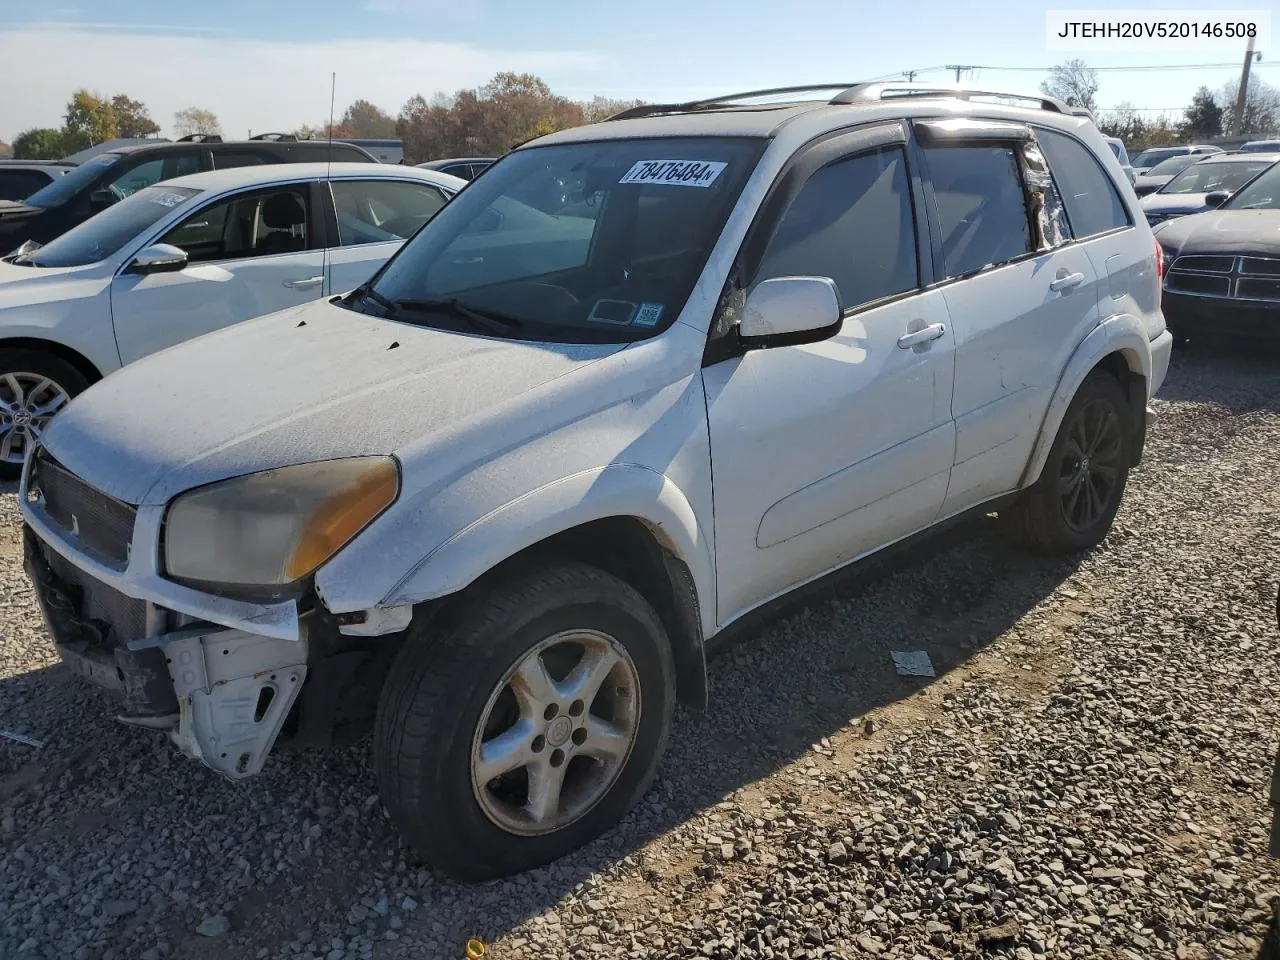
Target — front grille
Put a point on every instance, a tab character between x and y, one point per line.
102	523
1225	277
118	617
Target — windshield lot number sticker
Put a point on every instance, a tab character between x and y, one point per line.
168	199
675	173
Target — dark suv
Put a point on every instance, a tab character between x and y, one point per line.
102	180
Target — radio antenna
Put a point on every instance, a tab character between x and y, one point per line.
333	83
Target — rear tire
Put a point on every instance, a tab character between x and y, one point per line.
1071	507
33	386
462	741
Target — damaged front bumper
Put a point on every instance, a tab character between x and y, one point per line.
222	693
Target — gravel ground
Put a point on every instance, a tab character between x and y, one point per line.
1087	775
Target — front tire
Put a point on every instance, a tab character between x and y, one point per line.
1071	507
33	387
527	724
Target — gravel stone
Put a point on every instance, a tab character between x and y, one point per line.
213	926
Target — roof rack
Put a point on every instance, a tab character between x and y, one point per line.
199	138
275	136
852	93
724	100
871	92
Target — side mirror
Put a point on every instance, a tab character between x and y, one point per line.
101	199
158	258
1217	198
790	310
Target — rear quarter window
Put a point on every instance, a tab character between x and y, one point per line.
1092	201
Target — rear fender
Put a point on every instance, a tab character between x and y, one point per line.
1122	333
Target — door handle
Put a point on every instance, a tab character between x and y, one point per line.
922	336
303	284
1066	281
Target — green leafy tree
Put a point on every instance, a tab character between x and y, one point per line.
132	118
89	120
1074	82
39	143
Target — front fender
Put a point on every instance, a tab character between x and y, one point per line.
1121	333
615	490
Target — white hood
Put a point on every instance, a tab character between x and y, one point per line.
311	383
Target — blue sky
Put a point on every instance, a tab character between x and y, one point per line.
265	64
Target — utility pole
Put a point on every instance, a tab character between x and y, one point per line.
958	68
910	75
1242	96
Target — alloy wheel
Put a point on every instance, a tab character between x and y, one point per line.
1090	467
28	402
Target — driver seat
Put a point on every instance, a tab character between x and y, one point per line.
285	216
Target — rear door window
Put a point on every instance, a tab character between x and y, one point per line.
1093	203
225	159
378	211
19	184
981	205
853	222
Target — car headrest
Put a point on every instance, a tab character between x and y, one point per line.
283	211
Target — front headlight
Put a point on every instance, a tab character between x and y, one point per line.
272	528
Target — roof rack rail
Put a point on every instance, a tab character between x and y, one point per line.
724	100
274	136
200	138
871	92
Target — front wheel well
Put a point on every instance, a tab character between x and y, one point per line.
628	549
78	360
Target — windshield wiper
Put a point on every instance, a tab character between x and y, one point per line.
480	318
368	293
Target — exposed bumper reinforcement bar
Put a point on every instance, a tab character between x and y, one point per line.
234	692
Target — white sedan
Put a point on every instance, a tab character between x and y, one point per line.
185	257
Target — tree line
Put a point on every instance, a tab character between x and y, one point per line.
1210	114
486	121
514	107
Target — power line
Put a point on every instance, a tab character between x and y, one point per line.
1127	69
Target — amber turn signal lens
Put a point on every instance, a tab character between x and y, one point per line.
342	516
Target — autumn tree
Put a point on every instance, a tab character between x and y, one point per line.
89	120
132	118
602	108
1261	107
1074	82
195	120
366	120
39	143
6	150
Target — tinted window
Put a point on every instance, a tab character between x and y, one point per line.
17	184
247	225
376	211
224	160
982	209
852	221
64	188
1093	204
181	164
101	236
1210	175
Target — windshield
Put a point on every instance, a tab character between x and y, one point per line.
64	188
1208	176
1172	166
1149	158
1261	194
102	235
1119	151
582	242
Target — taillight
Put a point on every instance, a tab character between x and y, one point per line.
1159	260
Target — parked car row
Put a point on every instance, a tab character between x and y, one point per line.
1205	184
465	497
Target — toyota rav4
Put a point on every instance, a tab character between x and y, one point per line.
639	380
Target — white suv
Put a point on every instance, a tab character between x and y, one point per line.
634	383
